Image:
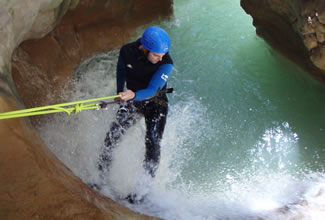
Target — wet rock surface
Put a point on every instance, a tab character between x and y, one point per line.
296	28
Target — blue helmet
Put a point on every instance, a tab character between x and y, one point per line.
155	39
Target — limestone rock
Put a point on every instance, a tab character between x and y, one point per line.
296	28
318	57
310	41
25	20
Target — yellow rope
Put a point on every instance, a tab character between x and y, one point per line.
78	106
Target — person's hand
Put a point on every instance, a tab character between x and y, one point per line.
118	99
127	95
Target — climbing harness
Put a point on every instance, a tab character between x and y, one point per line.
160	101
75	107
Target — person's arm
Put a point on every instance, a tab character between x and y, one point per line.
120	74
157	82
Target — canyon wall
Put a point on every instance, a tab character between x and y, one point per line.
294	27
42	41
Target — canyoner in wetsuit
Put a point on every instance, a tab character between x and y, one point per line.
144	65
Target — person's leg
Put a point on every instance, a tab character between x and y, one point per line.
155	118
126	117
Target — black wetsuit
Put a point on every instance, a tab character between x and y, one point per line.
145	79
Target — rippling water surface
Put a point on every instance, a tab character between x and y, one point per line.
245	133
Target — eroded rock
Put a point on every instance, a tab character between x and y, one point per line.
296	28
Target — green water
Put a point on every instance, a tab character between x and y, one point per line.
262	113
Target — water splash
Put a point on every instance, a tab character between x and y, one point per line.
278	148
264	189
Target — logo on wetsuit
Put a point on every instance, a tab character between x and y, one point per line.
164	77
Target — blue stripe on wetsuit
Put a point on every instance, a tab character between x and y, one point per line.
157	82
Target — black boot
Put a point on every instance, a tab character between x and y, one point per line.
134	198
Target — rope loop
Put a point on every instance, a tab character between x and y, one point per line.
78	108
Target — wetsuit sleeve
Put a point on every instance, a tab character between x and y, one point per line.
157	82
120	74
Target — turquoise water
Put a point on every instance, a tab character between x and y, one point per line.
248	90
245	133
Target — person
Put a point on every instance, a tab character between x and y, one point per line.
144	66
